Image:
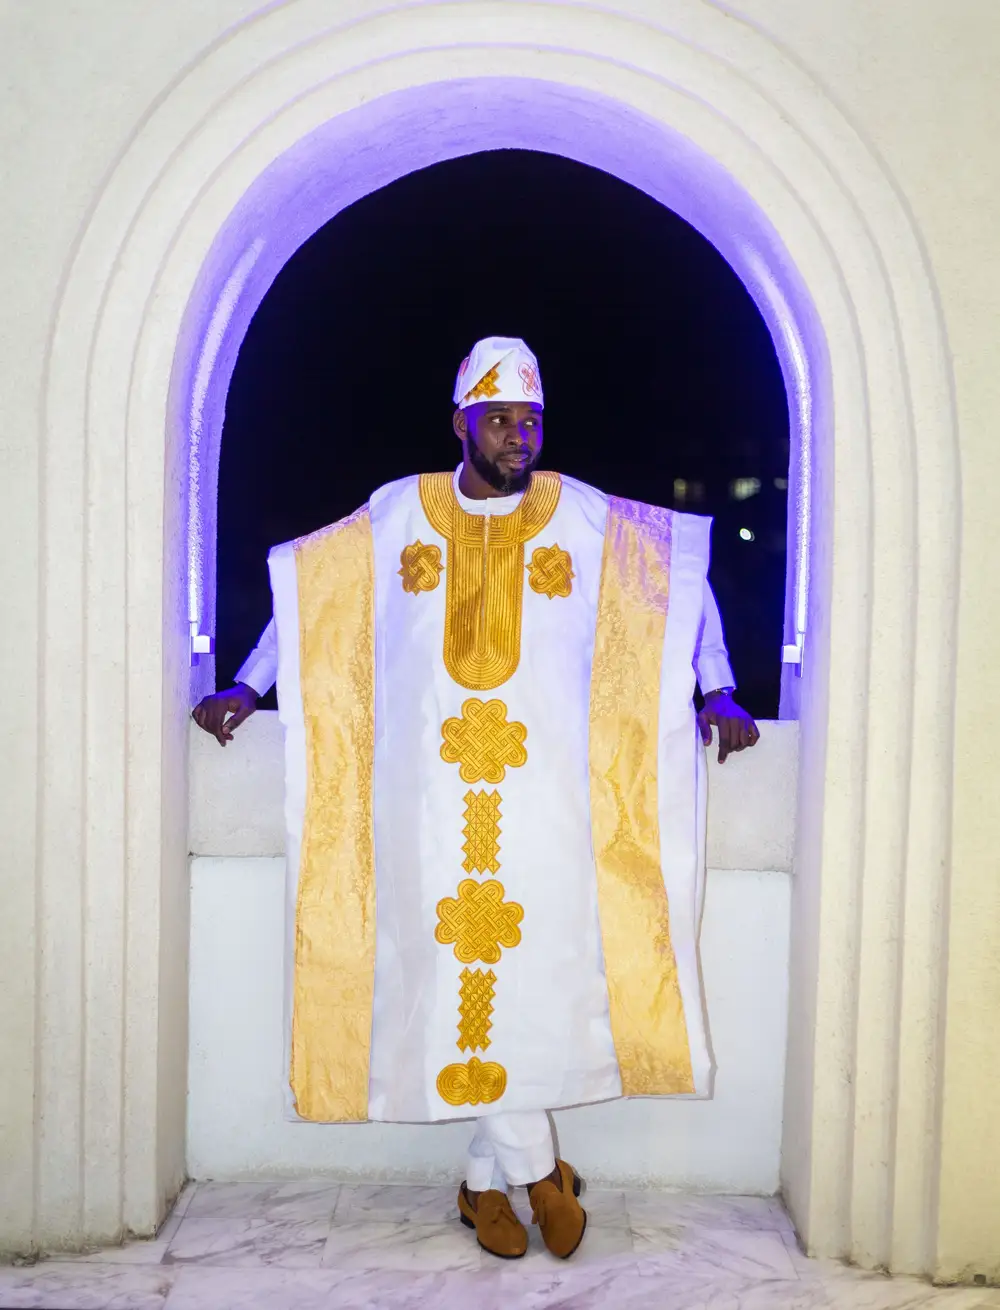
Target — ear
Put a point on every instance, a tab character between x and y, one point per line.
459	424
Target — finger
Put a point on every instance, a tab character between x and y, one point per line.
234	721
754	733
198	714
725	745
705	728
742	733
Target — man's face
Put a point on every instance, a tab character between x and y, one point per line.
503	440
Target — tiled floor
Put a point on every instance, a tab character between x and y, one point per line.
312	1244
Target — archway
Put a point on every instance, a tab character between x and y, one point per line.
215	160
661	374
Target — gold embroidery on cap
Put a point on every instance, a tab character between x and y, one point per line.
483	742
421	567
472	1083
487	386
478	921
481	832
485	578
477	994
550	572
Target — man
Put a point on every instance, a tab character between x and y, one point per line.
485	681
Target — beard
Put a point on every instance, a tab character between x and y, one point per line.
507	484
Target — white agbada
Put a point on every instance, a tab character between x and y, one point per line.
490	984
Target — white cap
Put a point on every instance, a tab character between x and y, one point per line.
498	368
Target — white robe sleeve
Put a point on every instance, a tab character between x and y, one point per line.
260	669
711	659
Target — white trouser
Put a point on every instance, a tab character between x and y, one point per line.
510	1150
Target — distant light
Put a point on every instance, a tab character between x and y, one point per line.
746	534
781	484
680	490
743	488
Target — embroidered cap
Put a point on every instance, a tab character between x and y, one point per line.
498	368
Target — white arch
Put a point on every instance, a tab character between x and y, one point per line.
862	1136
422	125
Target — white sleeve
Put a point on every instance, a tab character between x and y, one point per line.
260	669
711	659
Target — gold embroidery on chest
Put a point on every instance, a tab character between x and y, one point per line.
550	572
485	582
481	832
477	994
478	921
421	567
471	1083
482	742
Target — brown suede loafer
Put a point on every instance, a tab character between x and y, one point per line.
498	1229
558	1214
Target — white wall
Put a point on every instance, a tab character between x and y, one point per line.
235	1126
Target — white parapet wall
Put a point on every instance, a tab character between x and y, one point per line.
730	1143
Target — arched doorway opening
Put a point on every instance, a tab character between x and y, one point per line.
662	376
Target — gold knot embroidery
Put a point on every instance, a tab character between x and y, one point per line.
550	572
477	1006
478	921
482	742
472	1083
486	386
481	832
421	567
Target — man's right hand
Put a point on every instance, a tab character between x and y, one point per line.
238	702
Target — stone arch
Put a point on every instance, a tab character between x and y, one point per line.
862	1133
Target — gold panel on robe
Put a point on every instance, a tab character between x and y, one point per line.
485	576
647	1011
335	916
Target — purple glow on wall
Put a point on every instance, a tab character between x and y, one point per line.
367	148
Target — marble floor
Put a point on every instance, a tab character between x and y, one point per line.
312	1244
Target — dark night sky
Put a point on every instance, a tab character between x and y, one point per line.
655	361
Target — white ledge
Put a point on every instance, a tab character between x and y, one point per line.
237	792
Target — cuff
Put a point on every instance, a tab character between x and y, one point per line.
258	674
714	672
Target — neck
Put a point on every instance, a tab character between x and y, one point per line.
475	486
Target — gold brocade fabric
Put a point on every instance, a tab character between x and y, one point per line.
335	915
647	1011
485	576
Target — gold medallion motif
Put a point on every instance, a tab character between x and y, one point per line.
478	921
481	832
472	1083
483	742
477	1006
421	567
550	572
484	586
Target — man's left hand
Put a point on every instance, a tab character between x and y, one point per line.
737	729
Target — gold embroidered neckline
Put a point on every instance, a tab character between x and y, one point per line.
485	576
449	517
